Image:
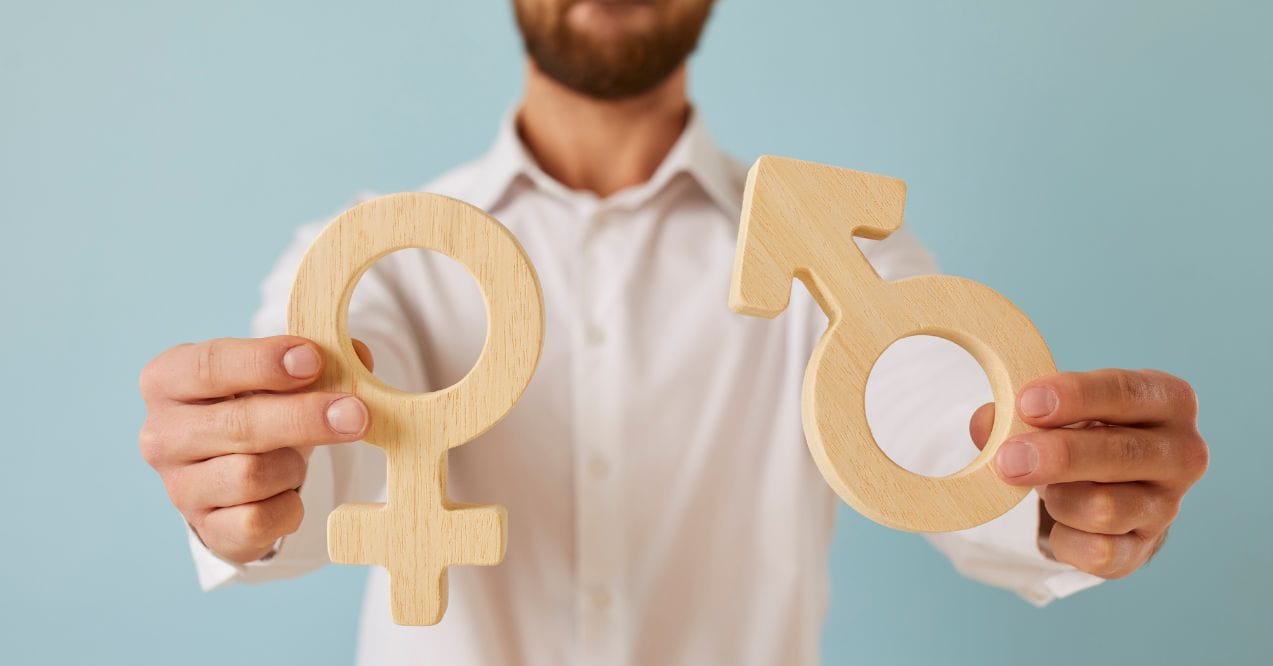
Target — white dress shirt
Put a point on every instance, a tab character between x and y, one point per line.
662	505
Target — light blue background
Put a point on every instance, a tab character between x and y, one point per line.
1104	164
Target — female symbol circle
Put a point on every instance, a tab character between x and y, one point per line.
418	533
799	220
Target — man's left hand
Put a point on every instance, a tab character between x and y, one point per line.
1116	452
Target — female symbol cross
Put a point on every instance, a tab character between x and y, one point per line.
419	532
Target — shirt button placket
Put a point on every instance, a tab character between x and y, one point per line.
598	528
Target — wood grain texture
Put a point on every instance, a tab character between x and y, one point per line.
418	533
798	221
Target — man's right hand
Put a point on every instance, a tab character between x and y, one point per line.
229	429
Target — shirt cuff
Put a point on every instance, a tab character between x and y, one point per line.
215	571
1005	553
1053	580
292	555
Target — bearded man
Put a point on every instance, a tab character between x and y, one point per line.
662	506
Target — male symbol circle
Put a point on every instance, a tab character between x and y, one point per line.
419	532
799	220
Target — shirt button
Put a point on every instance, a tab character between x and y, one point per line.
598	467
599	217
600	598
595	335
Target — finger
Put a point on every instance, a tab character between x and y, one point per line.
256	424
1104	555
1111	508
227	366
235	479
982	421
246	531
1105	454
1124	397
364	353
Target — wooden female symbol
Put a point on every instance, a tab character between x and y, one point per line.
419	532
799	220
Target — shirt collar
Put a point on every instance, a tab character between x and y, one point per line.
694	153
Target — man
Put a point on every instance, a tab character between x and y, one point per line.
662	506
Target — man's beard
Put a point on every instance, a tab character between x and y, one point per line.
625	66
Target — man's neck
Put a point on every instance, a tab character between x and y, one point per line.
601	146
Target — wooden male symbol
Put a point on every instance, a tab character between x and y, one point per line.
799	220
419	532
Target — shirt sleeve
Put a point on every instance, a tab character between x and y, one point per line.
336	474
932	378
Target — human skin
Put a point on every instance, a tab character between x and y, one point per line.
229	428
1114	455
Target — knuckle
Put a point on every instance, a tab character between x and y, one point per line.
148	378
1165	509
1101	556
205	361
240	422
250	474
1130	387
1103	510
150	441
1178	386
151	379
256	523
262	361
1178	391
1190	401
1197	457
178	493
294	514
299	414
1128	450
184	493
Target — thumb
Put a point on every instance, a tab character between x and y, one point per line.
979	426
364	354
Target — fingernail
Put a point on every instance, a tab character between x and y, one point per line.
347	416
1038	401
300	362
1017	458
